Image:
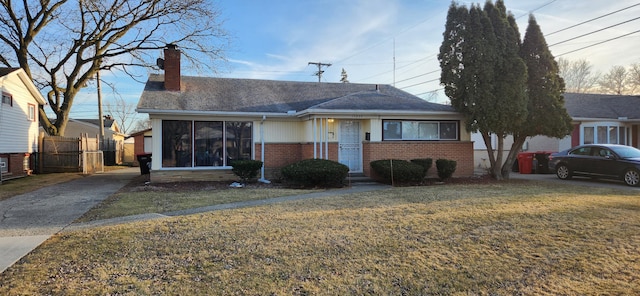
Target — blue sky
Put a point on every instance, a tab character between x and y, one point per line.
383	41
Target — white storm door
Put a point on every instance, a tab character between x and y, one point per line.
350	146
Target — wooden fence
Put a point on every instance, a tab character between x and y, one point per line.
65	155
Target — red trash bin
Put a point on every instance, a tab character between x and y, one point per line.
525	162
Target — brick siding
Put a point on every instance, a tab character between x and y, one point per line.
462	152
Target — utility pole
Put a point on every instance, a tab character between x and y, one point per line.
320	71
99	89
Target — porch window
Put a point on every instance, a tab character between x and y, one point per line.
205	143
605	134
414	130
588	135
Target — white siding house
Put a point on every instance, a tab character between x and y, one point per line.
18	121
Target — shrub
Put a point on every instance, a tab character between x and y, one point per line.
315	173
426	163
403	171
246	169
446	168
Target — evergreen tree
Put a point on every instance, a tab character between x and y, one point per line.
343	76
483	73
546	112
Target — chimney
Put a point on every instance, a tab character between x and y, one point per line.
171	68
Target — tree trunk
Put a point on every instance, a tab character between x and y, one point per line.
513	154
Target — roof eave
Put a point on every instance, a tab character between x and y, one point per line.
620	119
209	113
374	112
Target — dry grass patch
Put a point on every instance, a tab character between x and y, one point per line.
500	239
127	203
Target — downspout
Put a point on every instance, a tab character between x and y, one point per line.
326	142
262	179
315	138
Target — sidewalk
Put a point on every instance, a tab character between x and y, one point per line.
29	219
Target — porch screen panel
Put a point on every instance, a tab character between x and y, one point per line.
613	135
208	143
602	135
239	136
623	135
176	143
588	135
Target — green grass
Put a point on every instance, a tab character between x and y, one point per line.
495	239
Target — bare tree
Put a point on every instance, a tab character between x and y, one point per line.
142	124
633	79
614	81
578	75
61	44
122	112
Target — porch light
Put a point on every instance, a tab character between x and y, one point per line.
330	120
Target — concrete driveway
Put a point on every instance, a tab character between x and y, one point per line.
578	181
29	219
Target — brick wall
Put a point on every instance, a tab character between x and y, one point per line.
462	152
279	155
15	165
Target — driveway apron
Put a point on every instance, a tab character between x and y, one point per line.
29	219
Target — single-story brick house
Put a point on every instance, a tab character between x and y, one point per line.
597	118
200	124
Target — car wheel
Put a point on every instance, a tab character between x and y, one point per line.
563	172
632	177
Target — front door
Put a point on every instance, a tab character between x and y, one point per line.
350	146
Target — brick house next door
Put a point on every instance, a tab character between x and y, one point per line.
350	146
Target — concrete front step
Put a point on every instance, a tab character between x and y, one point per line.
359	178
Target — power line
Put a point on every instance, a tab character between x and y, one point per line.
539	7
593	19
424	74
598	43
596	31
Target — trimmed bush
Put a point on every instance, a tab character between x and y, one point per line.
446	168
246	169
425	163
315	173
403	171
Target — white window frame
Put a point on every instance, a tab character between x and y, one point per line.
413	130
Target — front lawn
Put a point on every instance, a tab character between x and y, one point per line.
483	239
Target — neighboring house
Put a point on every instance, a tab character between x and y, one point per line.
597	118
201	124
91	127
113	142
18	122
142	143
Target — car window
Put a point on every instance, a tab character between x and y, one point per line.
604	152
581	151
627	152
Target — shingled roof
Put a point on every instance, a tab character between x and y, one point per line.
273	96
602	106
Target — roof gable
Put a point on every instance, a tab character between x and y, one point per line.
9	73
272	96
